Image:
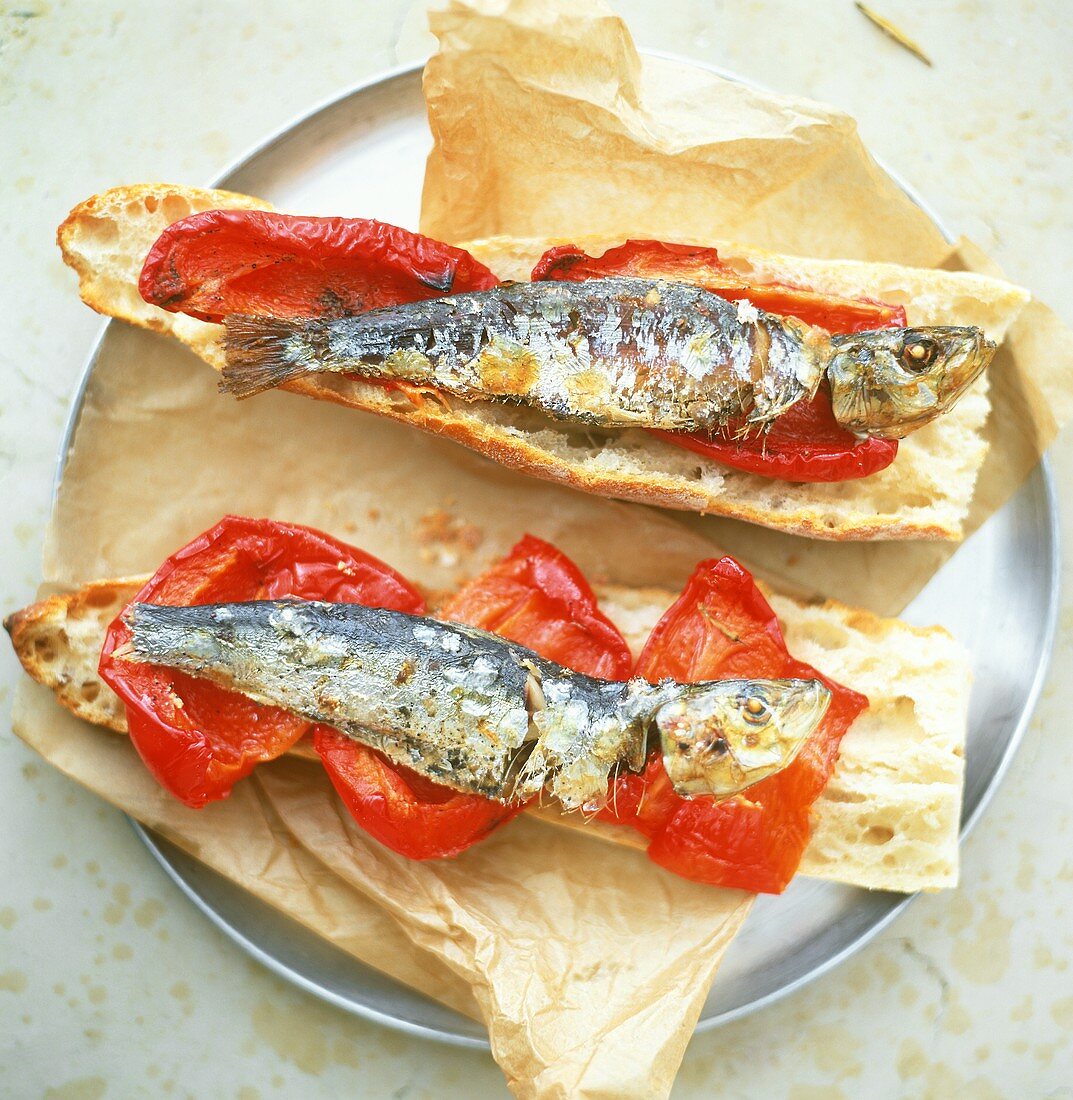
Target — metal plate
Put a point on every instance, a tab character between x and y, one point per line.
372	141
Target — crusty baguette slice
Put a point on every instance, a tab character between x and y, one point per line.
59	639
924	494
889	816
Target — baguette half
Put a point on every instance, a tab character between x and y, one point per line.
925	494
888	818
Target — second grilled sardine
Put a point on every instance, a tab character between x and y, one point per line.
473	711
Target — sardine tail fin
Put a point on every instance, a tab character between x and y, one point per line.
264	352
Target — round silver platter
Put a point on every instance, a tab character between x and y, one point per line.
364	153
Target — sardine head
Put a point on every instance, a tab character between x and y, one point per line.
890	382
720	737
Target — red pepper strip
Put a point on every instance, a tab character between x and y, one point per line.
197	739
403	810
806	443
286	265
722	627
692	264
537	596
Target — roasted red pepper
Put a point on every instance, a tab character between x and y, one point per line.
286	265
806	442
686	263
405	811
196	738
536	596
720	627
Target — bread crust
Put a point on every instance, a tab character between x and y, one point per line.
58	642
105	239
663	492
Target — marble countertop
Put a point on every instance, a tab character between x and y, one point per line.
969	993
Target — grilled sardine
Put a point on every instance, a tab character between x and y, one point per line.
473	711
620	352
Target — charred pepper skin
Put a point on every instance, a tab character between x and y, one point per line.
218	262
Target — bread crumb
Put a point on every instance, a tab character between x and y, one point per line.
444	539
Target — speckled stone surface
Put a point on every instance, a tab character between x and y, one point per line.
111	984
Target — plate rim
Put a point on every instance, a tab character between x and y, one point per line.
1043	471
154	843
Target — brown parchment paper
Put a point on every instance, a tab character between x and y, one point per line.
547	123
589	969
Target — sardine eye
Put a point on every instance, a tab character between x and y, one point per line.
754	710
918	354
